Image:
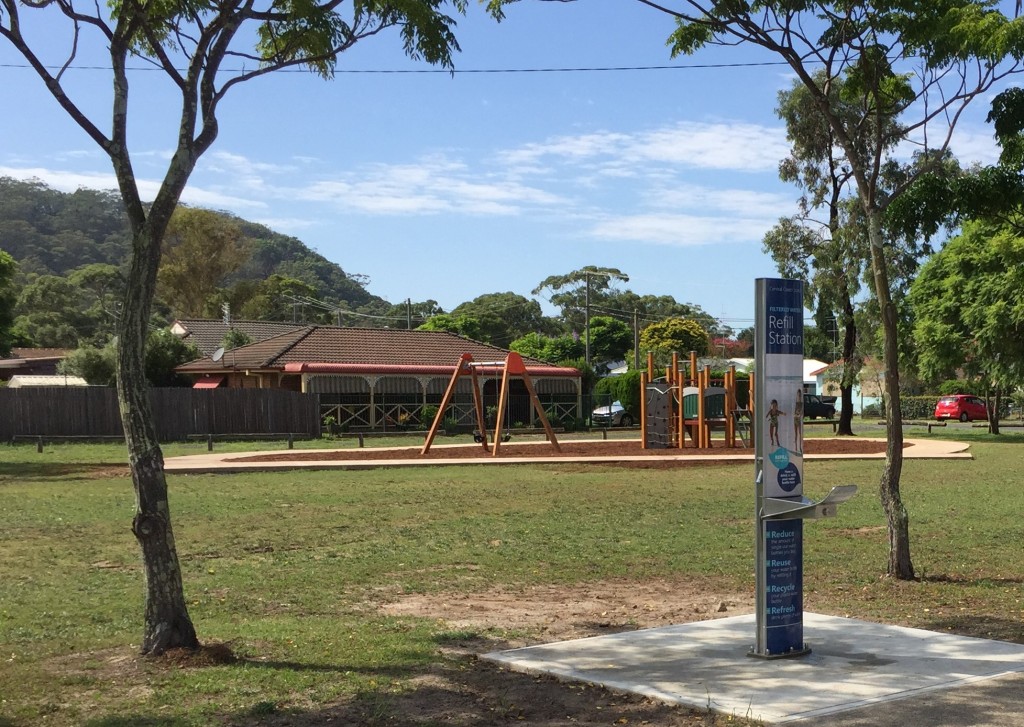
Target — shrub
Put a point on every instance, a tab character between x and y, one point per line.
428	413
918	407
624	388
871	410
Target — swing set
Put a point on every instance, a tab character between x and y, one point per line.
512	366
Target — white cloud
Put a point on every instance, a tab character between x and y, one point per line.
62	180
742	202
68	181
436	185
720	145
681	230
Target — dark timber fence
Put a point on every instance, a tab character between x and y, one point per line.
92	412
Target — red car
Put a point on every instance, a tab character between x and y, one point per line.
964	407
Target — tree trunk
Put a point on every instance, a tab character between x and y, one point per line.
846	386
166	620
993	413
900	565
845	428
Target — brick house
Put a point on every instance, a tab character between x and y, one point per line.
381	378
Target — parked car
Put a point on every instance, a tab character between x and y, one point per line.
611	416
815	406
964	407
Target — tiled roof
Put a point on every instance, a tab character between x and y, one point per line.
207	333
32	353
30	359
370	348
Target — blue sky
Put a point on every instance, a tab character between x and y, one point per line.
448	187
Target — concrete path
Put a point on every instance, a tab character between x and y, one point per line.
234	461
858	673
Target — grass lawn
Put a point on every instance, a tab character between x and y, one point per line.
290	569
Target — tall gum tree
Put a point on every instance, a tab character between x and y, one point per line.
189	43
921	62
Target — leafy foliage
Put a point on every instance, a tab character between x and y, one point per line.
551	349
7	269
624	388
200	249
677	335
54	233
504	317
164	351
969	305
461	325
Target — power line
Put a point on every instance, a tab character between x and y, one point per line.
447	72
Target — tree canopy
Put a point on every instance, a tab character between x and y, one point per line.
675	335
968	302
918	62
188	44
7	268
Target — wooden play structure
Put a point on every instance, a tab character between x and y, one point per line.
512	366
687	403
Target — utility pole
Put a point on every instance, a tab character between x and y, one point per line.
586	317
636	340
408	314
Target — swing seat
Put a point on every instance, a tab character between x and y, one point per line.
479	438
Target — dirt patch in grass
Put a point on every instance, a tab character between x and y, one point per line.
611	449
538	614
458	689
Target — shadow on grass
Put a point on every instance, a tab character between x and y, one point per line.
135	720
465	692
59	470
945	578
981	627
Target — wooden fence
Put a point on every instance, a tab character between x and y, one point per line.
177	412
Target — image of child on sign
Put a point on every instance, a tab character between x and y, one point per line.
773	422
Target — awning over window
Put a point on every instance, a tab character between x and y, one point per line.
208	382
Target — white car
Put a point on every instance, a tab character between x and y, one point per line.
611	416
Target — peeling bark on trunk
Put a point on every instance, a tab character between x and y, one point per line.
166	620
900	564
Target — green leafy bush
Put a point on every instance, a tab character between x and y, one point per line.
960	386
428	413
624	388
918	407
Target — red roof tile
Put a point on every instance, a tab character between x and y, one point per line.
362	350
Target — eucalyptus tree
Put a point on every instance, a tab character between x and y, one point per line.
820	244
920	62
190	44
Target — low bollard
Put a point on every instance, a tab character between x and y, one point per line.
360	435
209	442
291	441
39	445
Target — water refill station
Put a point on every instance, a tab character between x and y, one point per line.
780	505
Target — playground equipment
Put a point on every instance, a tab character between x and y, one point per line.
690	404
512	366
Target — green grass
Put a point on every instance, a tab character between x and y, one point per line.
288	568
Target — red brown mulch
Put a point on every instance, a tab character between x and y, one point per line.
511	451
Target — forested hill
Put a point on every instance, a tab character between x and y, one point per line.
49	232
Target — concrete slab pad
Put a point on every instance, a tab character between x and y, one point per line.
706	665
